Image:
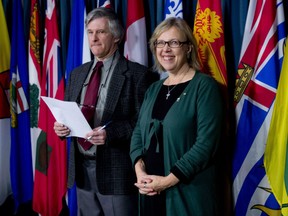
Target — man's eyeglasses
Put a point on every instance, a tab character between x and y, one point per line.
171	43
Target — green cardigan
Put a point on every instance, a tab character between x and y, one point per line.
191	134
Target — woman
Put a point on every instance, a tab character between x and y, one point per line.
175	142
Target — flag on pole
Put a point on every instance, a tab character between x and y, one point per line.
209	34
21	168
5	186
34	74
276	155
78	47
78	53
135	47
104	3
173	8
51	159
255	89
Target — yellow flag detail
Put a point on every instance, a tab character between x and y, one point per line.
4	42
275	157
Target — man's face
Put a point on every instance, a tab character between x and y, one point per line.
101	41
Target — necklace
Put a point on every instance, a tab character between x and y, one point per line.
170	90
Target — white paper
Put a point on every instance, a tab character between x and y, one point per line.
69	114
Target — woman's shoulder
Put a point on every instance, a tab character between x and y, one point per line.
154	87
204	77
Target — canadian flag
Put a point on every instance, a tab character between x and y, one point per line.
135	47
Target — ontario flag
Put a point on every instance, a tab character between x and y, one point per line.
34	74
275	157
208	31
78	53
104	3
21	168
135	47
173	8
255	90
51	159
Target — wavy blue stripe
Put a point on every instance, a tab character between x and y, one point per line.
246	133
250	184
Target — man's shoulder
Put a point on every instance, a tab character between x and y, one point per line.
84	65
131	64
81	69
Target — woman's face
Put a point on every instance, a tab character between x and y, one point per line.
172	58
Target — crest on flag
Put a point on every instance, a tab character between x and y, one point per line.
18	101
4	94
208	31
243	78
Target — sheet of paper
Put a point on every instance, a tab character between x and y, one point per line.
69	114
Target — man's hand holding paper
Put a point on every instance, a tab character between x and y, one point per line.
70	120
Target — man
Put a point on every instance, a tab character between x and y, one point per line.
103	173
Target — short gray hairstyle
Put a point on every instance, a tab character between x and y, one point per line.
114	24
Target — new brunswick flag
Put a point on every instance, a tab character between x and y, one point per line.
276	155
208	31
51	159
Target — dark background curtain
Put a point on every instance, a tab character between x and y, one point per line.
234	15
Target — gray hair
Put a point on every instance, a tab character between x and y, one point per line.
183	28
114	24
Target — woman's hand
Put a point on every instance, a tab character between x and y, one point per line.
142	181
154	184
61	130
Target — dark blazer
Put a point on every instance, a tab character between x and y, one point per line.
126	91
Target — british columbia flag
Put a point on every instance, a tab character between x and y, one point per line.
256	85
